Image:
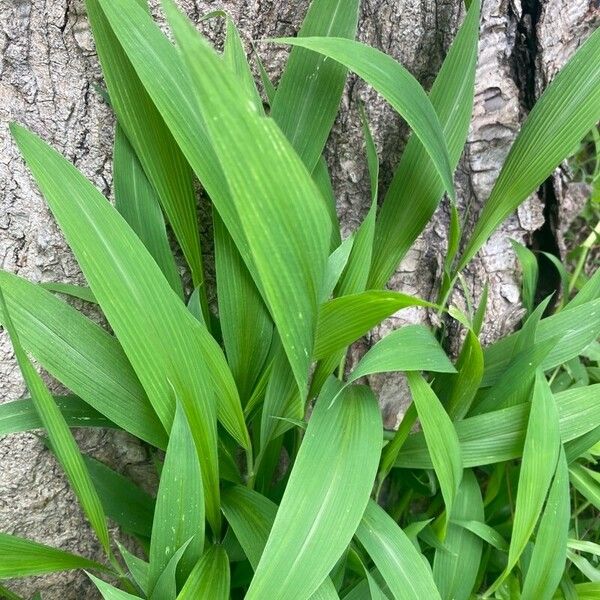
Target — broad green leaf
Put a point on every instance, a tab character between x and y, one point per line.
309	92
416	187
529	274
251	517
61	439
7	594
246	326
21	415
209	578
499	436
578	326
442	440
396	85
69	289
404	569
540	457
344	320
589	292
565	112
176	353
317	518
161	159
459	389
485	532
81	355
22	558
547	562
455	567
137	201
166	586
515	383
179	512
586	482
138	568
410	348
110	592
124	502
261	191
336	263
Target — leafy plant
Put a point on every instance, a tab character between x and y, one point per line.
278	479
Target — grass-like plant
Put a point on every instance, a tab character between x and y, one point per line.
496	495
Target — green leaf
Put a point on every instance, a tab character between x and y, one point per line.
540	456
110	592
124	502
81	355
22	558
486	533
586	482
137	201
245	322
179	512
322	179
529	272
316	519
416	187
161	159
209	578
69	289
261	189
410	348
455	568
499	436
547	563
309	92
63	443
404	569
21	415
565	112
336	263
166	586
578	326
396	85
344	320
175	351
138	568
442	440
251	517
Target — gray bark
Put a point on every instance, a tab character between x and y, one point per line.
47	72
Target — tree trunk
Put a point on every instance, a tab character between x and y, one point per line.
48	75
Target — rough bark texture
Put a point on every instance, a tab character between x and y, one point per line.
47	74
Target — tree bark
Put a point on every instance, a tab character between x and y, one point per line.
47	81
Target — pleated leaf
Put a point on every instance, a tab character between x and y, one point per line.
416	187
21	415
261	189
179	512
456	566
317	515
547	563
404	569
310	89
20	557
137	201
540	456
162	160
499	436
560	119
410	348
175	352
209	578
346	319
396	85
440	435
61	439
82	356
